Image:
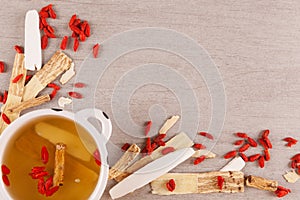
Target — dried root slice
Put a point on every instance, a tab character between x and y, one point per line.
291	177
179	141
196	183
206	153
124	161
29	103
15	91
261	183
67	75
59	165
168	124
62	101
50	71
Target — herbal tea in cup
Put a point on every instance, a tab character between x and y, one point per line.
46	158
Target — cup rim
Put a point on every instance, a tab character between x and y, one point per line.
98	138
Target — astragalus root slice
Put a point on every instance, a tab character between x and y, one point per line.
291	177
59	165
261	183
204	152
67	75
168	124
179	141
58	63
131	153
197	183
62	101
236	164
15	91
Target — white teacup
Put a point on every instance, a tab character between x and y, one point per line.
81	118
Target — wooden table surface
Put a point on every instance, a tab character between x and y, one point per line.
255	45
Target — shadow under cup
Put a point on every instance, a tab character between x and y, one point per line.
21	148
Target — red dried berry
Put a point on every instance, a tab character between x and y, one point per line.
265	133
64	43
79	85
244	157
220	180
48	183
19	49
261	162
41	186
242	135
125	146
76	44
208	135
54	86
171	185
75	95
148	127
44	42
244	147
263	143
252	142
17	78
48	33
254	157
199	146
44	155
2	67
52	14
87	30
239	142
167	150
268	142
5	118
267	155
53	94
199	160
96	50
230	154
72	20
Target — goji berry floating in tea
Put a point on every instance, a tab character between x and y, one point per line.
171	185
5	180
75	95
51	191
5	170
44	155
208	135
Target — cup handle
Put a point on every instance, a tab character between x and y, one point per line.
85	114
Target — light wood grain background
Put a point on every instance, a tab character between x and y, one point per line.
255	45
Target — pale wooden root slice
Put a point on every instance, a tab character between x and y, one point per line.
197	183
31	145
67	75
59	165
29	103
168	124
50	71
15	91
132	152
56	135
261	183
291	177
179	141
206	153
62	101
